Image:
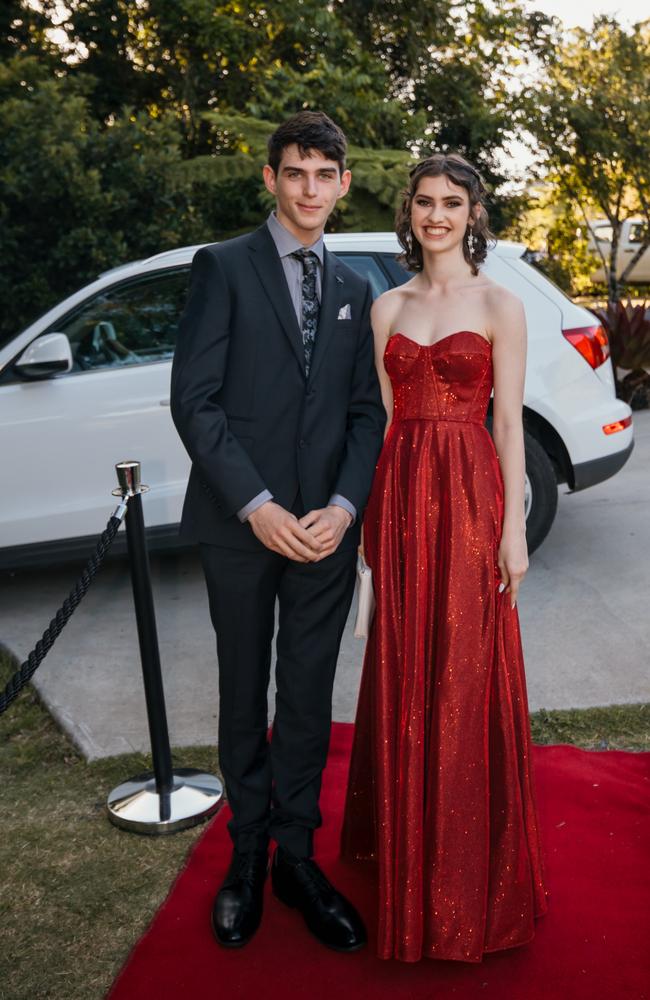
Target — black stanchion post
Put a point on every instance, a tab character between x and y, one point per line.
149	653
169	799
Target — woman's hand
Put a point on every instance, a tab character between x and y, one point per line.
513	562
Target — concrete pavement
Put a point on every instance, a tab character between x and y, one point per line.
584	610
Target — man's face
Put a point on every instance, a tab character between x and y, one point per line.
306	189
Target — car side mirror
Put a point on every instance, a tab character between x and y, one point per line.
46	356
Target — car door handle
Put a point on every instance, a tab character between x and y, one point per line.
164	402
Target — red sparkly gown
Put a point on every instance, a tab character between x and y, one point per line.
441	790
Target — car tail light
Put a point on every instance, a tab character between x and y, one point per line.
591	341
618	425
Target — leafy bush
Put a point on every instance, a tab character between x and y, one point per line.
628	329
77	198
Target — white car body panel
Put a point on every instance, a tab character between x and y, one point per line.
62	436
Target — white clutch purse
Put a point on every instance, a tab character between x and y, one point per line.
366	599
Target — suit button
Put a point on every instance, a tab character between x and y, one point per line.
302	443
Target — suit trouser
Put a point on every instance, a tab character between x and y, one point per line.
273	787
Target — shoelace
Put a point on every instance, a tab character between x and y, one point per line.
246	869
312	879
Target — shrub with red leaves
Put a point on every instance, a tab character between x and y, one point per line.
628	329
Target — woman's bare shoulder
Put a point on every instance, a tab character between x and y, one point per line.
505	309
386	307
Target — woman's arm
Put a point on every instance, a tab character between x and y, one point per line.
508	333
381	316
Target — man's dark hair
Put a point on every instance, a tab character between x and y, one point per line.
309	130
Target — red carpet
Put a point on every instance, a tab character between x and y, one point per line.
594	943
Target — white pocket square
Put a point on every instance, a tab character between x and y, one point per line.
345	312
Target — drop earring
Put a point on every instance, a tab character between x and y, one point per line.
471	242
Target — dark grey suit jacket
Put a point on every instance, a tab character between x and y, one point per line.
247	415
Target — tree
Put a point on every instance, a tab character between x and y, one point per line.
457	65
379	174
23	30
77	199
147	125
555	239
267	59
396	73
591	119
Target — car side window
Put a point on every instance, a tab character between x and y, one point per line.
636	232
397	271
368	267
128	324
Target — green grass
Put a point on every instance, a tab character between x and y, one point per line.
76	893
614	727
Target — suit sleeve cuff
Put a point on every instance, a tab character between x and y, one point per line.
336	500
253	504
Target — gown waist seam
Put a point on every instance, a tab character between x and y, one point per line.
441	420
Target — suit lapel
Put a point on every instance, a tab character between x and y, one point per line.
269	268
329	309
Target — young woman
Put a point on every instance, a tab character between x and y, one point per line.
441	786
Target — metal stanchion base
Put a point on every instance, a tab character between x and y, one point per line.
135	805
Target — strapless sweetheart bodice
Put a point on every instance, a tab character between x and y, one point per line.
450	379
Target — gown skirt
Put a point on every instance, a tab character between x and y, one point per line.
441	789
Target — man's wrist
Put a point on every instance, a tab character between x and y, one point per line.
253	505
346	513
336	500
258	510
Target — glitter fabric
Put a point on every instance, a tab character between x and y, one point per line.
441	786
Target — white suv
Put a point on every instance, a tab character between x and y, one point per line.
87	385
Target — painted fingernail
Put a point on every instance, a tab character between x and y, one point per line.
502	587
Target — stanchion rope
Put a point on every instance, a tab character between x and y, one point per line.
60	620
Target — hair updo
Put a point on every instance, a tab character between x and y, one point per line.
462	173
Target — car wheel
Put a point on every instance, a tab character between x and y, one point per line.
541	493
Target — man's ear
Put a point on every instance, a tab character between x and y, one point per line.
268	173
346	178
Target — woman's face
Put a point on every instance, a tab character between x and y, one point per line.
440	213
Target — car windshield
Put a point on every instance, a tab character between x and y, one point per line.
6	337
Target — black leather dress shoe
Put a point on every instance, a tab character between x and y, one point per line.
329	916
237	909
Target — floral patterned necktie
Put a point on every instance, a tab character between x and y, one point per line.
310	304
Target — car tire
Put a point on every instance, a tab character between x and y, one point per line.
541	487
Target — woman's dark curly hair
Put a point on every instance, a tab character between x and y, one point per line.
459	172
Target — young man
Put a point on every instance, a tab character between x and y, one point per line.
275	396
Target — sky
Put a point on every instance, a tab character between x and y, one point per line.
580	13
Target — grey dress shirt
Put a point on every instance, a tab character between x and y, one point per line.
286	244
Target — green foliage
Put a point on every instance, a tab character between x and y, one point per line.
23	30
628	330
591	119
378	174
76	198
146	126
554	229
75	892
